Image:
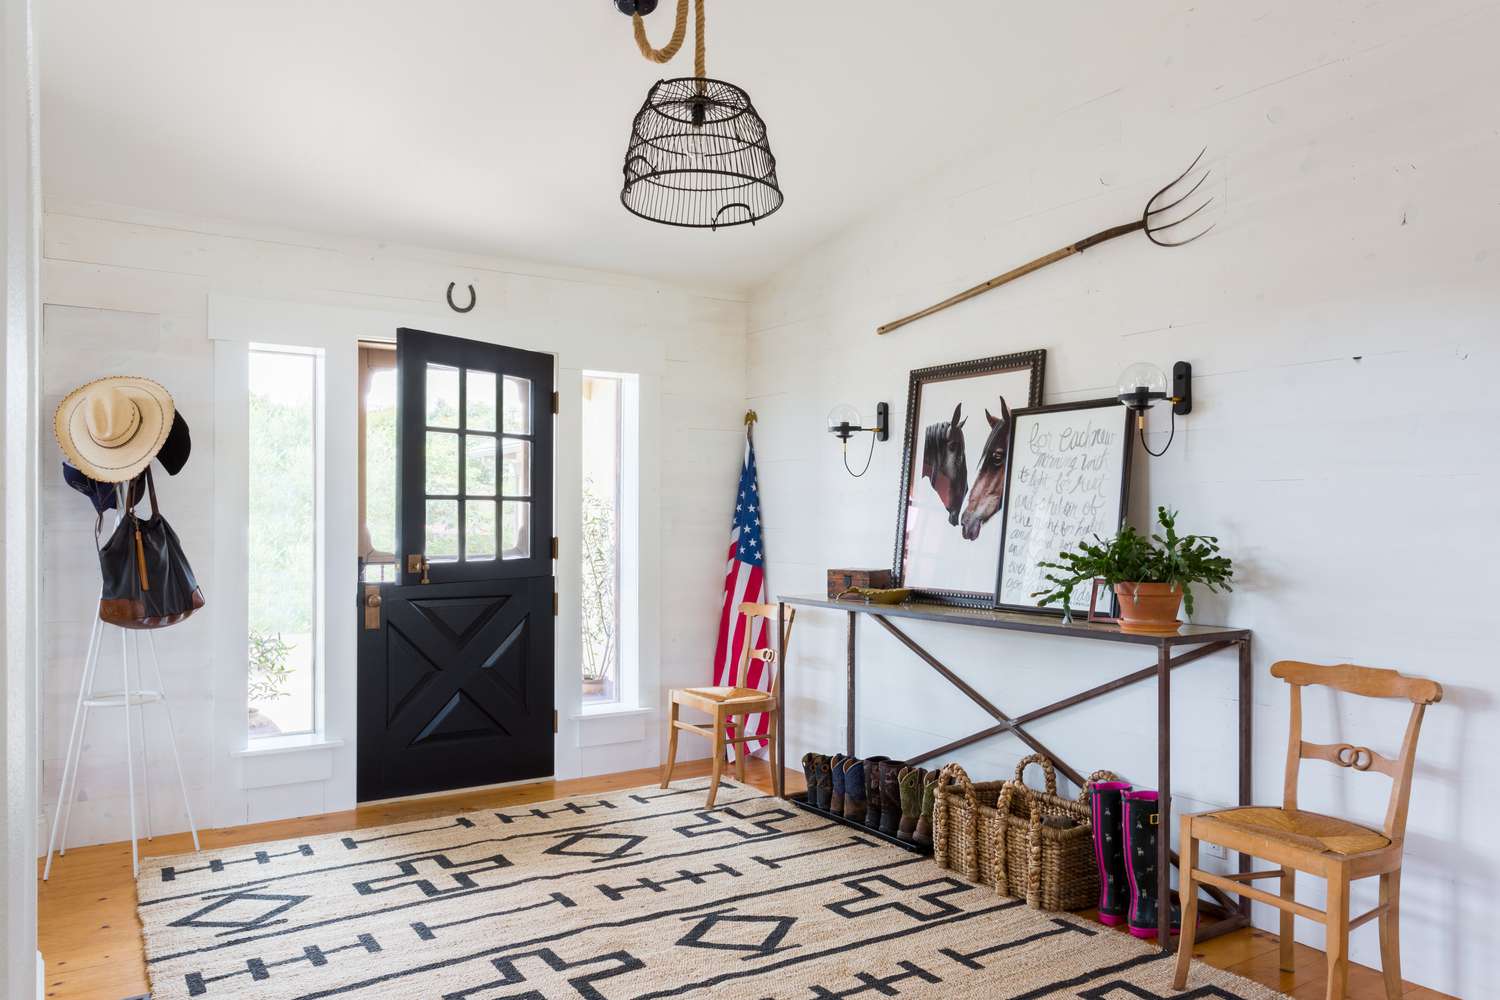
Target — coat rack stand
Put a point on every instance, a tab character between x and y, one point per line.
129	696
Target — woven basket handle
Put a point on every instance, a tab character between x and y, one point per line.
1097	776
1002	884
1047	769
955	773
1034	858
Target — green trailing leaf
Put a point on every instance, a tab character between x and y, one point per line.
1131	557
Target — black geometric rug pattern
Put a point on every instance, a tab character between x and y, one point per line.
640	894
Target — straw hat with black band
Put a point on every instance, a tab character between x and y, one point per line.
111	428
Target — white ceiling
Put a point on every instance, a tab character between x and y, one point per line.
499	127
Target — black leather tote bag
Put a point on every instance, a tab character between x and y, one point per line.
147	580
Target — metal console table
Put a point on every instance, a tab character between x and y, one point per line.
1190	644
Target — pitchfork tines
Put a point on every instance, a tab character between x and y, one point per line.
1174	213
1165	211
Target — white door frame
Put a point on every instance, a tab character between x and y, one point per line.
20	431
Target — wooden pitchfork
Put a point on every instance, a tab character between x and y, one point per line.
1153	222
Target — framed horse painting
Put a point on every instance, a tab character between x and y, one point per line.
953	474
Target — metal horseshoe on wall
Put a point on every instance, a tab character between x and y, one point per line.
473	299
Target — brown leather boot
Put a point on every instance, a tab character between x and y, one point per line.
890	796
872	791
815	770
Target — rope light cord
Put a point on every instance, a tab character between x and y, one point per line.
674	44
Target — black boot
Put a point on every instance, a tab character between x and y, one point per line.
854	788
872	791
1142	826
1109	849
836	775
890	796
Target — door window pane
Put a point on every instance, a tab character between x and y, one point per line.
442	464
516	468
479	465
442	531
517	405
282	528
479	400
380	459
479	530
442	396
515	529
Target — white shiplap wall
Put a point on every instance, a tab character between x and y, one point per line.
1343	321
129	292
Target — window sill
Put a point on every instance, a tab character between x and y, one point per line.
610	712
272	745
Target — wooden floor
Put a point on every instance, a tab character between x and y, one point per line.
91	940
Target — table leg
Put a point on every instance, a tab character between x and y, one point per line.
778	778
849	695
1164	797
1246	707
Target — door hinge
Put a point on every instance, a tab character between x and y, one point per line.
554	546
556	403
554	722
554	603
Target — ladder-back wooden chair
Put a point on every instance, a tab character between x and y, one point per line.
1325	846
733	705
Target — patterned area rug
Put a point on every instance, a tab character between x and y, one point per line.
632	895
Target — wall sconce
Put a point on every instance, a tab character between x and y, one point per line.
844	422
1142	384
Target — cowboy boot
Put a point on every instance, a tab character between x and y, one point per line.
1142	825
836	776
854	789
890	796
872	791
910	781
922	835
812	763
1107	806
823	775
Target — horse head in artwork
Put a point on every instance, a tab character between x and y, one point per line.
989	481
944	464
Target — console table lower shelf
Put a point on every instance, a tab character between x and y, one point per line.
1200	641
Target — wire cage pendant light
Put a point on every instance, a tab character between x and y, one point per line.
698	155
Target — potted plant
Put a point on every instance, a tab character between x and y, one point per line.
1150	576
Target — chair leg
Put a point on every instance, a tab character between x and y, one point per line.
1288	942
1187	889
1337	938
1390	933
666	771
718	766
772	731
741	750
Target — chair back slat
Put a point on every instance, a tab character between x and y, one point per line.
754	614
1366	682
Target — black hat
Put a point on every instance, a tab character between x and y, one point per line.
174	452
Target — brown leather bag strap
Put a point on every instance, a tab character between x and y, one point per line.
151	488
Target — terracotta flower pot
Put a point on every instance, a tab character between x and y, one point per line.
1149	608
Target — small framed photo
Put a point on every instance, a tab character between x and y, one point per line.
958	426
1066	481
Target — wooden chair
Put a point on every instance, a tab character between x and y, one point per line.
1325	846
726	704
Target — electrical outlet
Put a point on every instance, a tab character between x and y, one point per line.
1214	850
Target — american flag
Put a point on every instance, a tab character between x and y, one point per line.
744	580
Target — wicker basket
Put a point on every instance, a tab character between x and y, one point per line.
1054	868
992	833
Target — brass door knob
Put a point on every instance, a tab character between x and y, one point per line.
372	600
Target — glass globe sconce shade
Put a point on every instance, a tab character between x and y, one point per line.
1142	384
844	421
